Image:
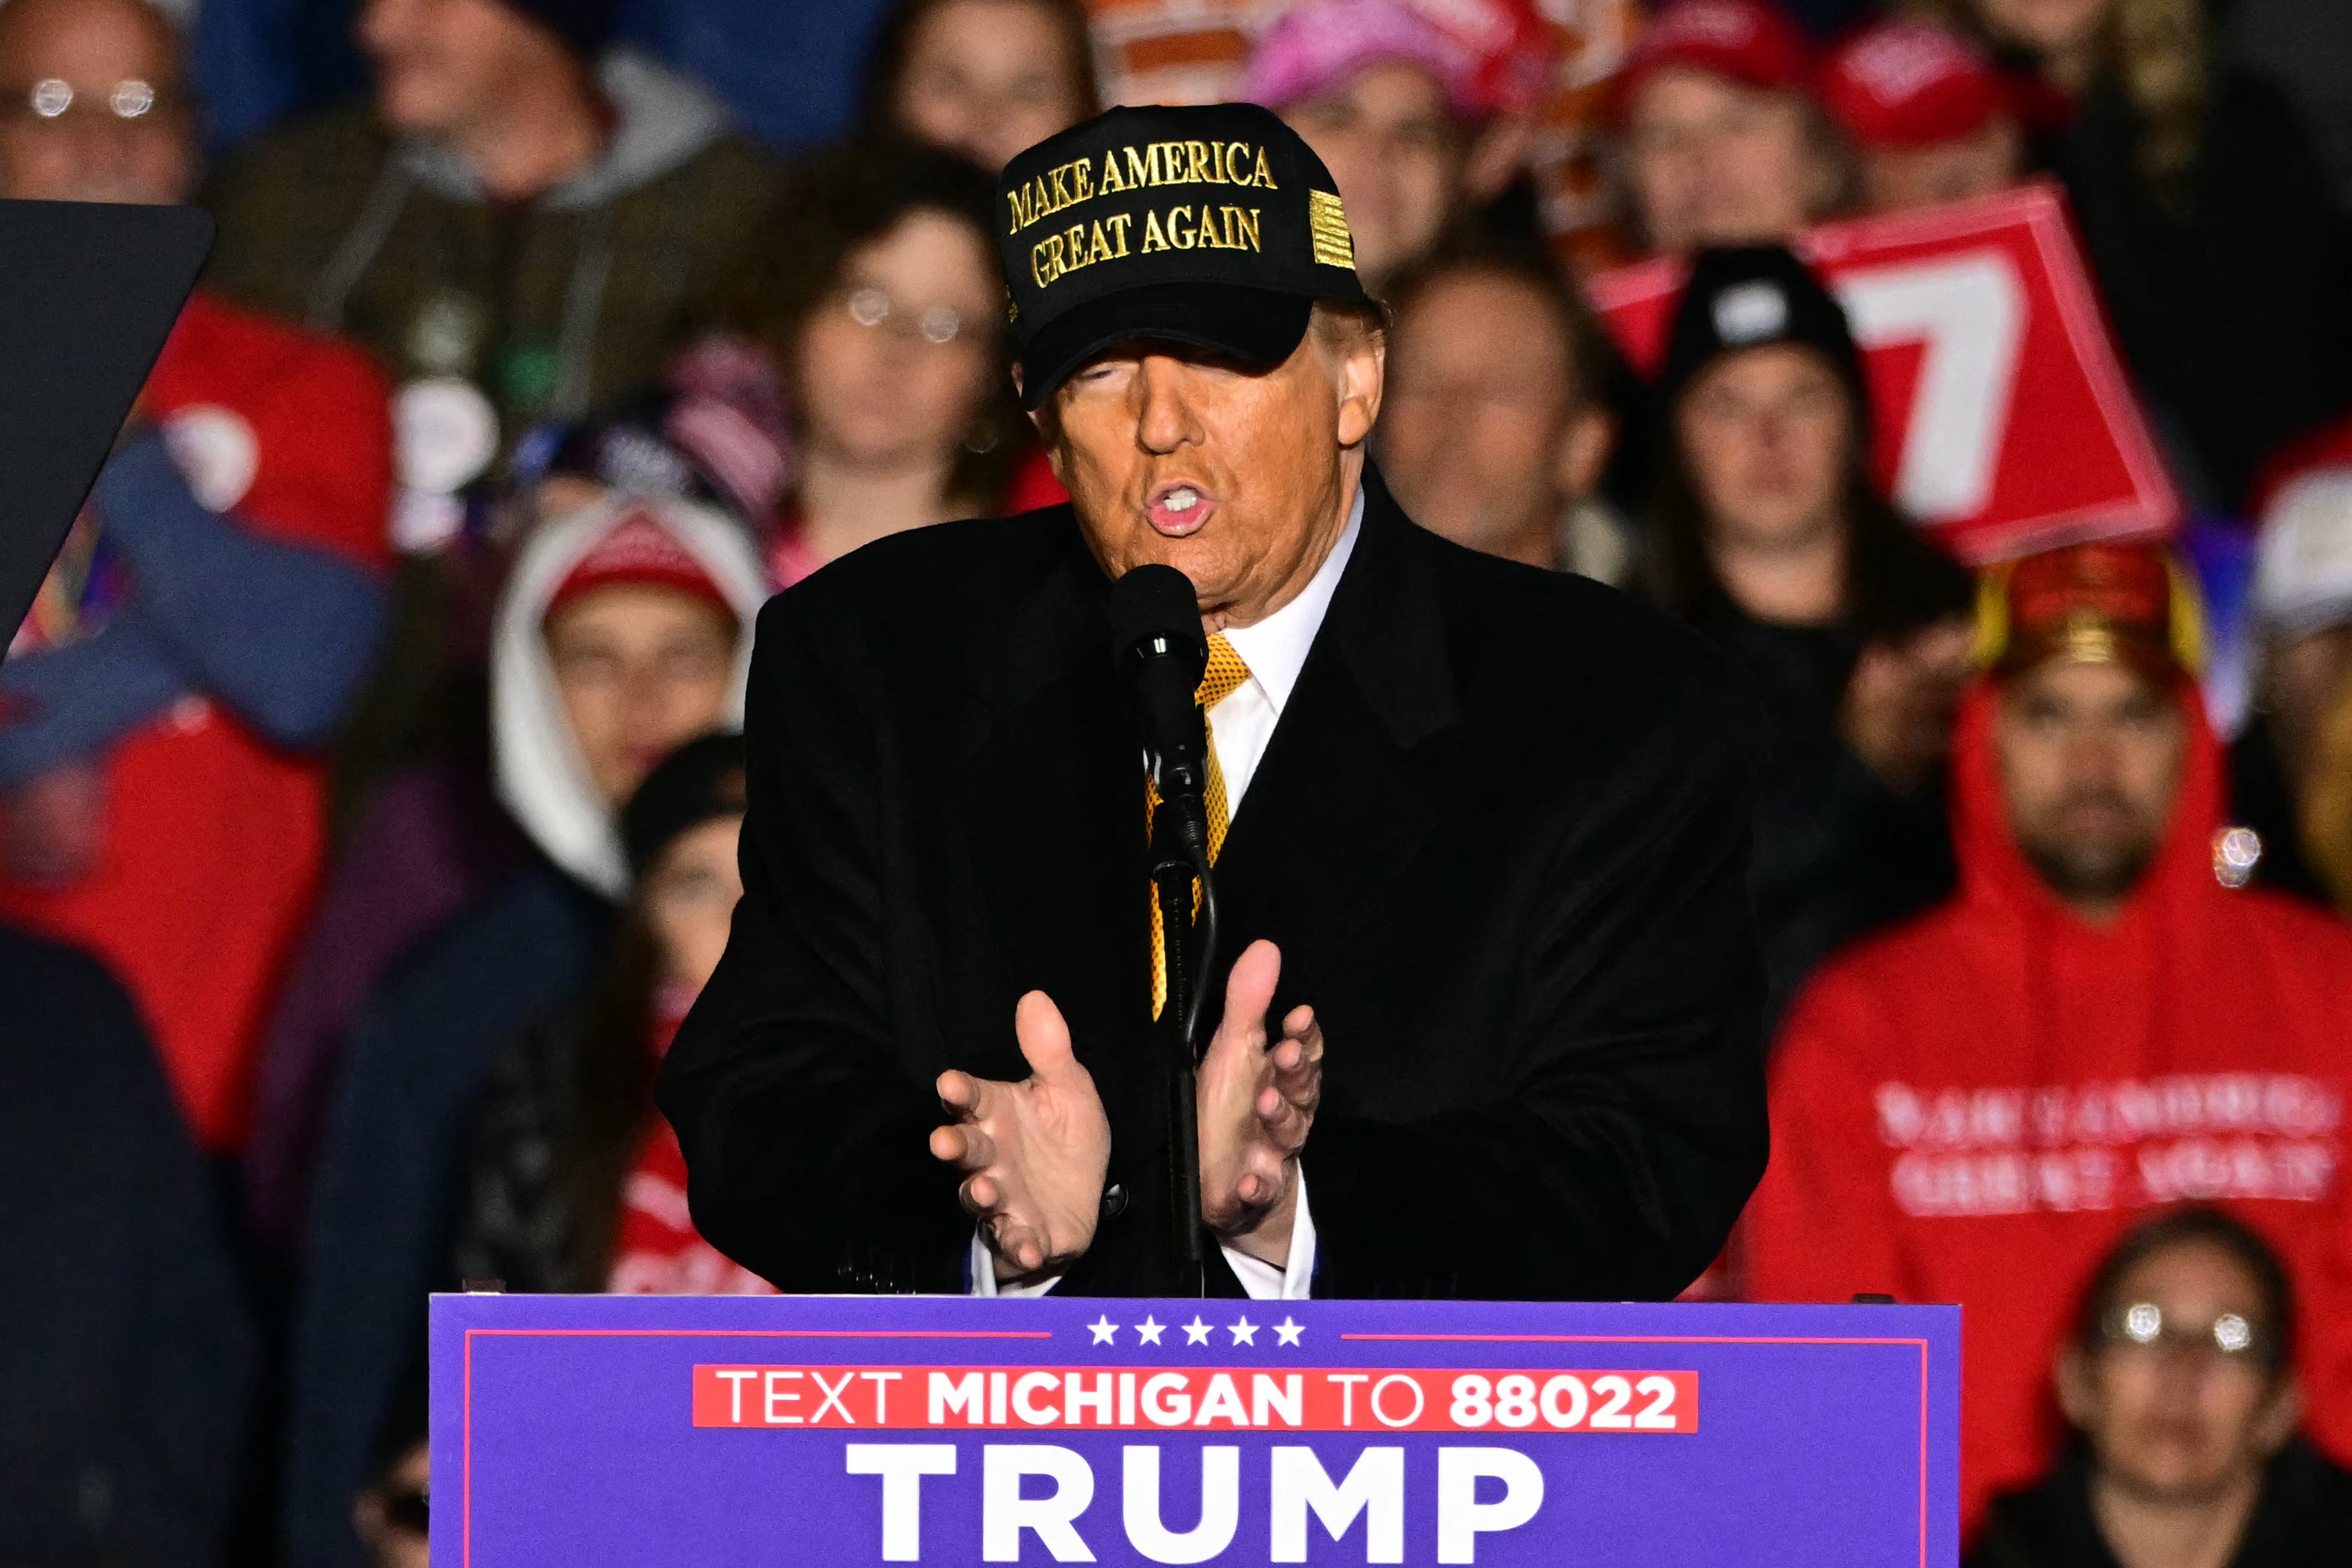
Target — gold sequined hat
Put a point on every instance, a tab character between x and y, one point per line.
1212	226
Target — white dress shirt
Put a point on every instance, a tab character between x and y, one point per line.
1240	727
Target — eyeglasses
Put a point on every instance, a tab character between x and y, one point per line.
132	101
2143	1324
939	326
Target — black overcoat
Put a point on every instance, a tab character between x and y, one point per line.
1501	833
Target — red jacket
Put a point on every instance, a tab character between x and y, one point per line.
1972	1107
214	838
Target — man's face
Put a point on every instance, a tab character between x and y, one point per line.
2044	27
1716	162
1898	179
1235	478
641	670
988	78
2179	1421
1485	438
441	65
1397	156
2090	759
119	131
1766	434
2302	677
891	366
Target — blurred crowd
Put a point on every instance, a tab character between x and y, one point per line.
369	793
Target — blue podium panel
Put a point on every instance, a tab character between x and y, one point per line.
725	1432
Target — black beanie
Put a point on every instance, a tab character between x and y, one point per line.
1747	296
584	27
700	782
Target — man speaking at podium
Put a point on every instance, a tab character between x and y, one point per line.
1480	833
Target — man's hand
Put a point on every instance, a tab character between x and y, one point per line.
1035	1151
1256	1105
1898	705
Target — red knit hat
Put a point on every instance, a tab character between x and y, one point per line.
638	551
1908	83
1748	41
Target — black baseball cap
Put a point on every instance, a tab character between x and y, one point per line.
1748	296
1211	226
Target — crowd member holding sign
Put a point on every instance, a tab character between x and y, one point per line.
213	616
2207	216
1972	1107
1769	533
2179	1385
1490	1023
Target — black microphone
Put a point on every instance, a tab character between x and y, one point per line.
1158	645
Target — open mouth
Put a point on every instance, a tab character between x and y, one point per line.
1178	508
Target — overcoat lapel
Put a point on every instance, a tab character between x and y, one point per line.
1345	796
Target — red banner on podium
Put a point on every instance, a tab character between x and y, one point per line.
2002	418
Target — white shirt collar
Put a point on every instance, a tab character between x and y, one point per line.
1275	648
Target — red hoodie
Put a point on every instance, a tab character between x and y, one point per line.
1972	1107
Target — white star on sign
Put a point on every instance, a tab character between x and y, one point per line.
1105	1331
1243	1333
1196	1331
1148	1331
1287	1332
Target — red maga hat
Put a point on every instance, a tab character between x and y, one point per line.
1747	41
1908	83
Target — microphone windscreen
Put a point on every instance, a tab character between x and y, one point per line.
1156	602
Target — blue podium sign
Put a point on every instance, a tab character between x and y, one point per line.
832	1431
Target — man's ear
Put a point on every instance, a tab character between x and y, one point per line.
1363	374
1584	448
1046	420
2280	1417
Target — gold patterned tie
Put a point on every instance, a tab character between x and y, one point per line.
1224	675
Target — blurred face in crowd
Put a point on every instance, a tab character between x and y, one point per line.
689	895
2089	758
892	367
1898	179
2303	679
1235	478
391	1515
987	79
642	669
443	66
1766	436
2060	30
91	107
1487	437
1397	156
1713	161
2180	1420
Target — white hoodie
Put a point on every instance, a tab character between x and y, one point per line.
542	777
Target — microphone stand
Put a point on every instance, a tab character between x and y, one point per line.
1180	853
